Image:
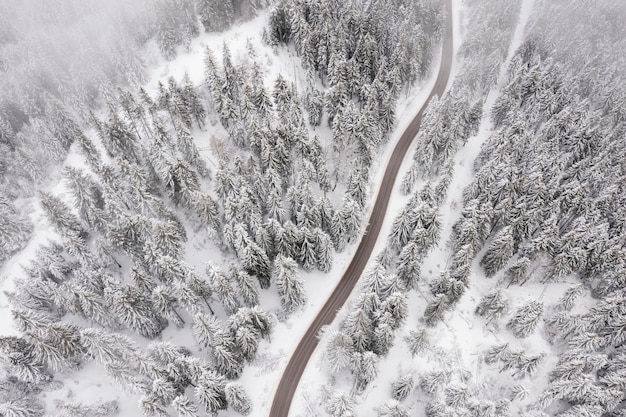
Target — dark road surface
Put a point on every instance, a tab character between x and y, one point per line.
295	368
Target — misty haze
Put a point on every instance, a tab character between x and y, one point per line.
306	208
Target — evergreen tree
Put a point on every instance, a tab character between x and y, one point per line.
132	308
323	246
256	262
359	327
402	387
237	398
417	341
365	368
224	354
151	406
308	253
346	223
184	406
525	319
247	289
288	284
401	229
393	408
223	288
60	216
383	334
339	350
436	308
210	392
499	252
20	359
339	404
492	305
409	265
164	303
204	327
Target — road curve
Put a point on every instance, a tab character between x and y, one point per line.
295	368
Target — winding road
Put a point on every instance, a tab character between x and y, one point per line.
297	364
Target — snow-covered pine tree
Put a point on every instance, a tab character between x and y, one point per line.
525	319
223	288
493	305
288	284
237	398
132	308
339	404
184	406
338	350
224	354
364	368
164	304
408	268
210	392
499	252
247	288
417	341
204	327
392	408
359	327
402	387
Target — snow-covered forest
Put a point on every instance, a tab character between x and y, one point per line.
184	182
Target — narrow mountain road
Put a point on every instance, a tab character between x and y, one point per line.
297	364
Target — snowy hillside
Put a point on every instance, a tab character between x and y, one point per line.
184	184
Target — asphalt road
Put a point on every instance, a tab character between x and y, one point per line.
295	368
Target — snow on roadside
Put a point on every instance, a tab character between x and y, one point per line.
459	341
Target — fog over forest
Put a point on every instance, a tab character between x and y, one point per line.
166	240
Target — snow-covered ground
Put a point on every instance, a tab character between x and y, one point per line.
458	342
260	378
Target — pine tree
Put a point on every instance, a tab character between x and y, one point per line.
184	406
307	253
346	223
166	236
256	262
20	359
339	404
409	265
418	341
132	308
436	309
567	301
338	350
60	215
493	305
383	334
224	354
204	327
210	392
247	288
359	327
288	284
376	280
223	288
151	406
434	380
199	286
393	408
365	368
401	229
323	250
499	252
525	319
402	387
237	398
164	303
